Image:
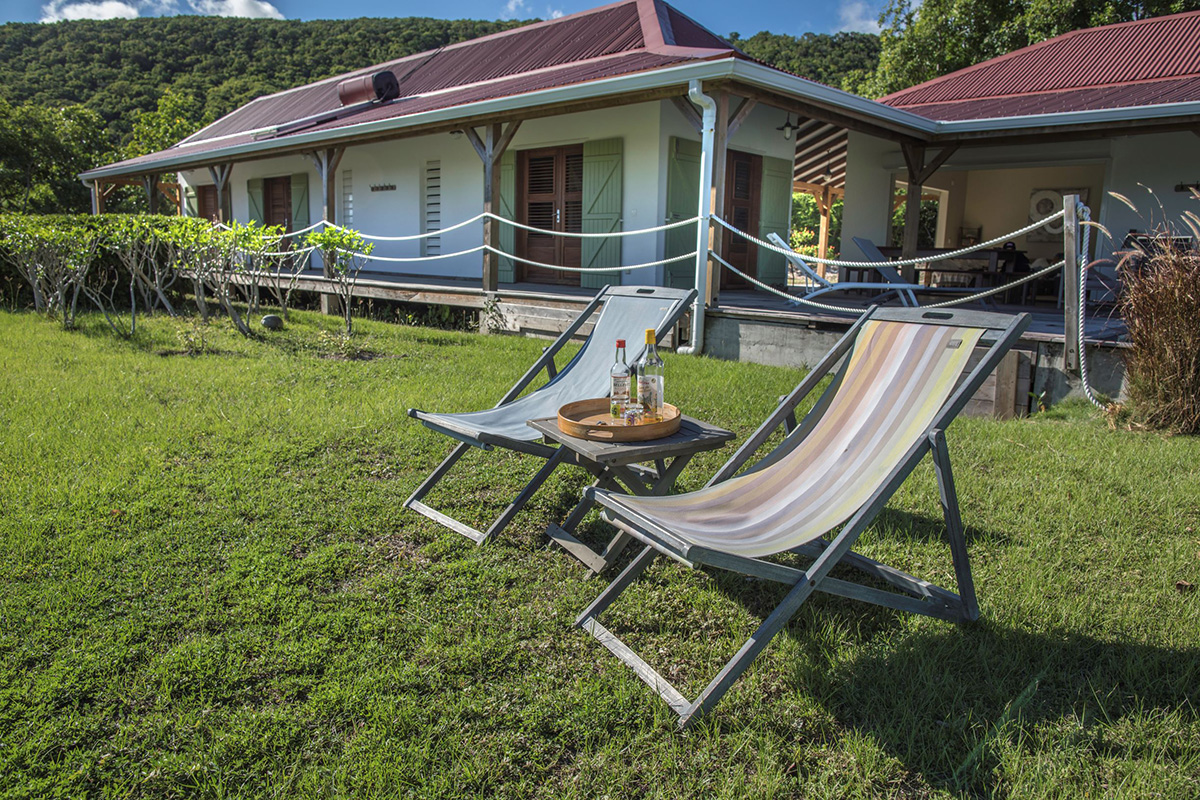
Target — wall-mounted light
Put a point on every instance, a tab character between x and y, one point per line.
456	135
787	127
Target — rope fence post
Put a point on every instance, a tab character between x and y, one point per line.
1071	279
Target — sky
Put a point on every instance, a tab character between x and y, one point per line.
746	17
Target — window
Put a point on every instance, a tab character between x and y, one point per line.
431	208
347	217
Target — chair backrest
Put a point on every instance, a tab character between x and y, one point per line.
902	377
882	263
797	260
626	314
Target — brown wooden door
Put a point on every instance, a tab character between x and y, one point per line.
277	202
550	197
207	206
743	191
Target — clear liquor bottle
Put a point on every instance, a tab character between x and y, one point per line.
650	381
619	377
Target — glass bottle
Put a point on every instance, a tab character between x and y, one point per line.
619	375
650	381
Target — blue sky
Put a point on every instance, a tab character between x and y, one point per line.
746	17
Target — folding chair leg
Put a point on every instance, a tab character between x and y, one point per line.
627	576
761	637
954	526
479	537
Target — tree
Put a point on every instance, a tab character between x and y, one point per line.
821	57
935	37
42	152
177	116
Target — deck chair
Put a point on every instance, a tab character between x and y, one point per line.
625	313
899	287
883	265
900	385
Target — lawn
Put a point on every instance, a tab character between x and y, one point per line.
209	588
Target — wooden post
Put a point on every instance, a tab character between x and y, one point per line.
490	148
1071	354
220	174
327	162
918	173
716	232
825	204
150	184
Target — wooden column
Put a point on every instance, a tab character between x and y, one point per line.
150	184
490	148
220	174
716	234
1071	354
918	173
825	206
327	162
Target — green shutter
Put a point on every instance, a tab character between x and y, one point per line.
774	216
299	201
254	193
683	202
506	270
602	177
191	208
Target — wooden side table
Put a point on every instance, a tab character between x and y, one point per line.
617	465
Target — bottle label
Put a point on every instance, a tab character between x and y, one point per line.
620	387
650	392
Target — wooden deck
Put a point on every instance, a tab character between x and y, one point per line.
538	308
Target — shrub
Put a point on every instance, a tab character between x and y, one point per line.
1160	301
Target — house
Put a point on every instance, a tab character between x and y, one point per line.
1108	109
614	119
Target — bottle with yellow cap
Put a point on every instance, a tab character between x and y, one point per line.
650	381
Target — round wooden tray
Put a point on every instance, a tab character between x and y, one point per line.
591	419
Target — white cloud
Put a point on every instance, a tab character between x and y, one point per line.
858	16
104	9
57	10
236	8
553	13
512	8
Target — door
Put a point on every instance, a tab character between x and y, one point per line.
743	186
277	202
550	197
207	205
683	198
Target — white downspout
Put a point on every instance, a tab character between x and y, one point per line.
708	123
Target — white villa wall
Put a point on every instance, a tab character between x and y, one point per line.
868	207
1158	163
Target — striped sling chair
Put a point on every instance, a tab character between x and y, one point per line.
625	312
900	384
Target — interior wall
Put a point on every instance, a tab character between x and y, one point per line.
868	206
1146	169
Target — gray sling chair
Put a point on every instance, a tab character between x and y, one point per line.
899	387
626	314
899	286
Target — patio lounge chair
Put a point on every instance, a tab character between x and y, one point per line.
883	265
626	313
896	285
888	404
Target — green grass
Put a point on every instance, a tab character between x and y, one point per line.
209	588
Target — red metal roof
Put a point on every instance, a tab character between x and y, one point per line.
1140	63
624	37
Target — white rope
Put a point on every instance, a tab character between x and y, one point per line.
666	227
426	235
296	252
1085	214
401	260
903	263
499	252
286	235
856	310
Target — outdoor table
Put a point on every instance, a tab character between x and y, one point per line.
617	465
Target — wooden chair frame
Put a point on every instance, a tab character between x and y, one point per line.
485	441
918	596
